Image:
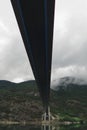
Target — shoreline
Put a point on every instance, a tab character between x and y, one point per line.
6	122
38	122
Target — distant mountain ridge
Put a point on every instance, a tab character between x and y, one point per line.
67	82
63	82
7	85
4	83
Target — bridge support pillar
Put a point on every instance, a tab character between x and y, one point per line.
46	117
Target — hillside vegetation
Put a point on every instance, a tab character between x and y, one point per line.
21	102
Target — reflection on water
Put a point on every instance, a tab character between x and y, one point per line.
48	127
18	127
44	127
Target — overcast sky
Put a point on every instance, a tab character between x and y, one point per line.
69	46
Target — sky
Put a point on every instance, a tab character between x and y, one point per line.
69	43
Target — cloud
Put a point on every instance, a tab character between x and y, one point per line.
15	62
76	71
70	39
69	46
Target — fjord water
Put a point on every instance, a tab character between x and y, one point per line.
27	127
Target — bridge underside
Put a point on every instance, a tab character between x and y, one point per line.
35	19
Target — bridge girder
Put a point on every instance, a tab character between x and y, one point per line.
35	20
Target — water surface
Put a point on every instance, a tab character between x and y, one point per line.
27	127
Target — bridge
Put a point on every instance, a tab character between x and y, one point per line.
35	20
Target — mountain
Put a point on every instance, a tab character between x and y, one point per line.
4	83
67	82
22	102
8	84
70	97
19	101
